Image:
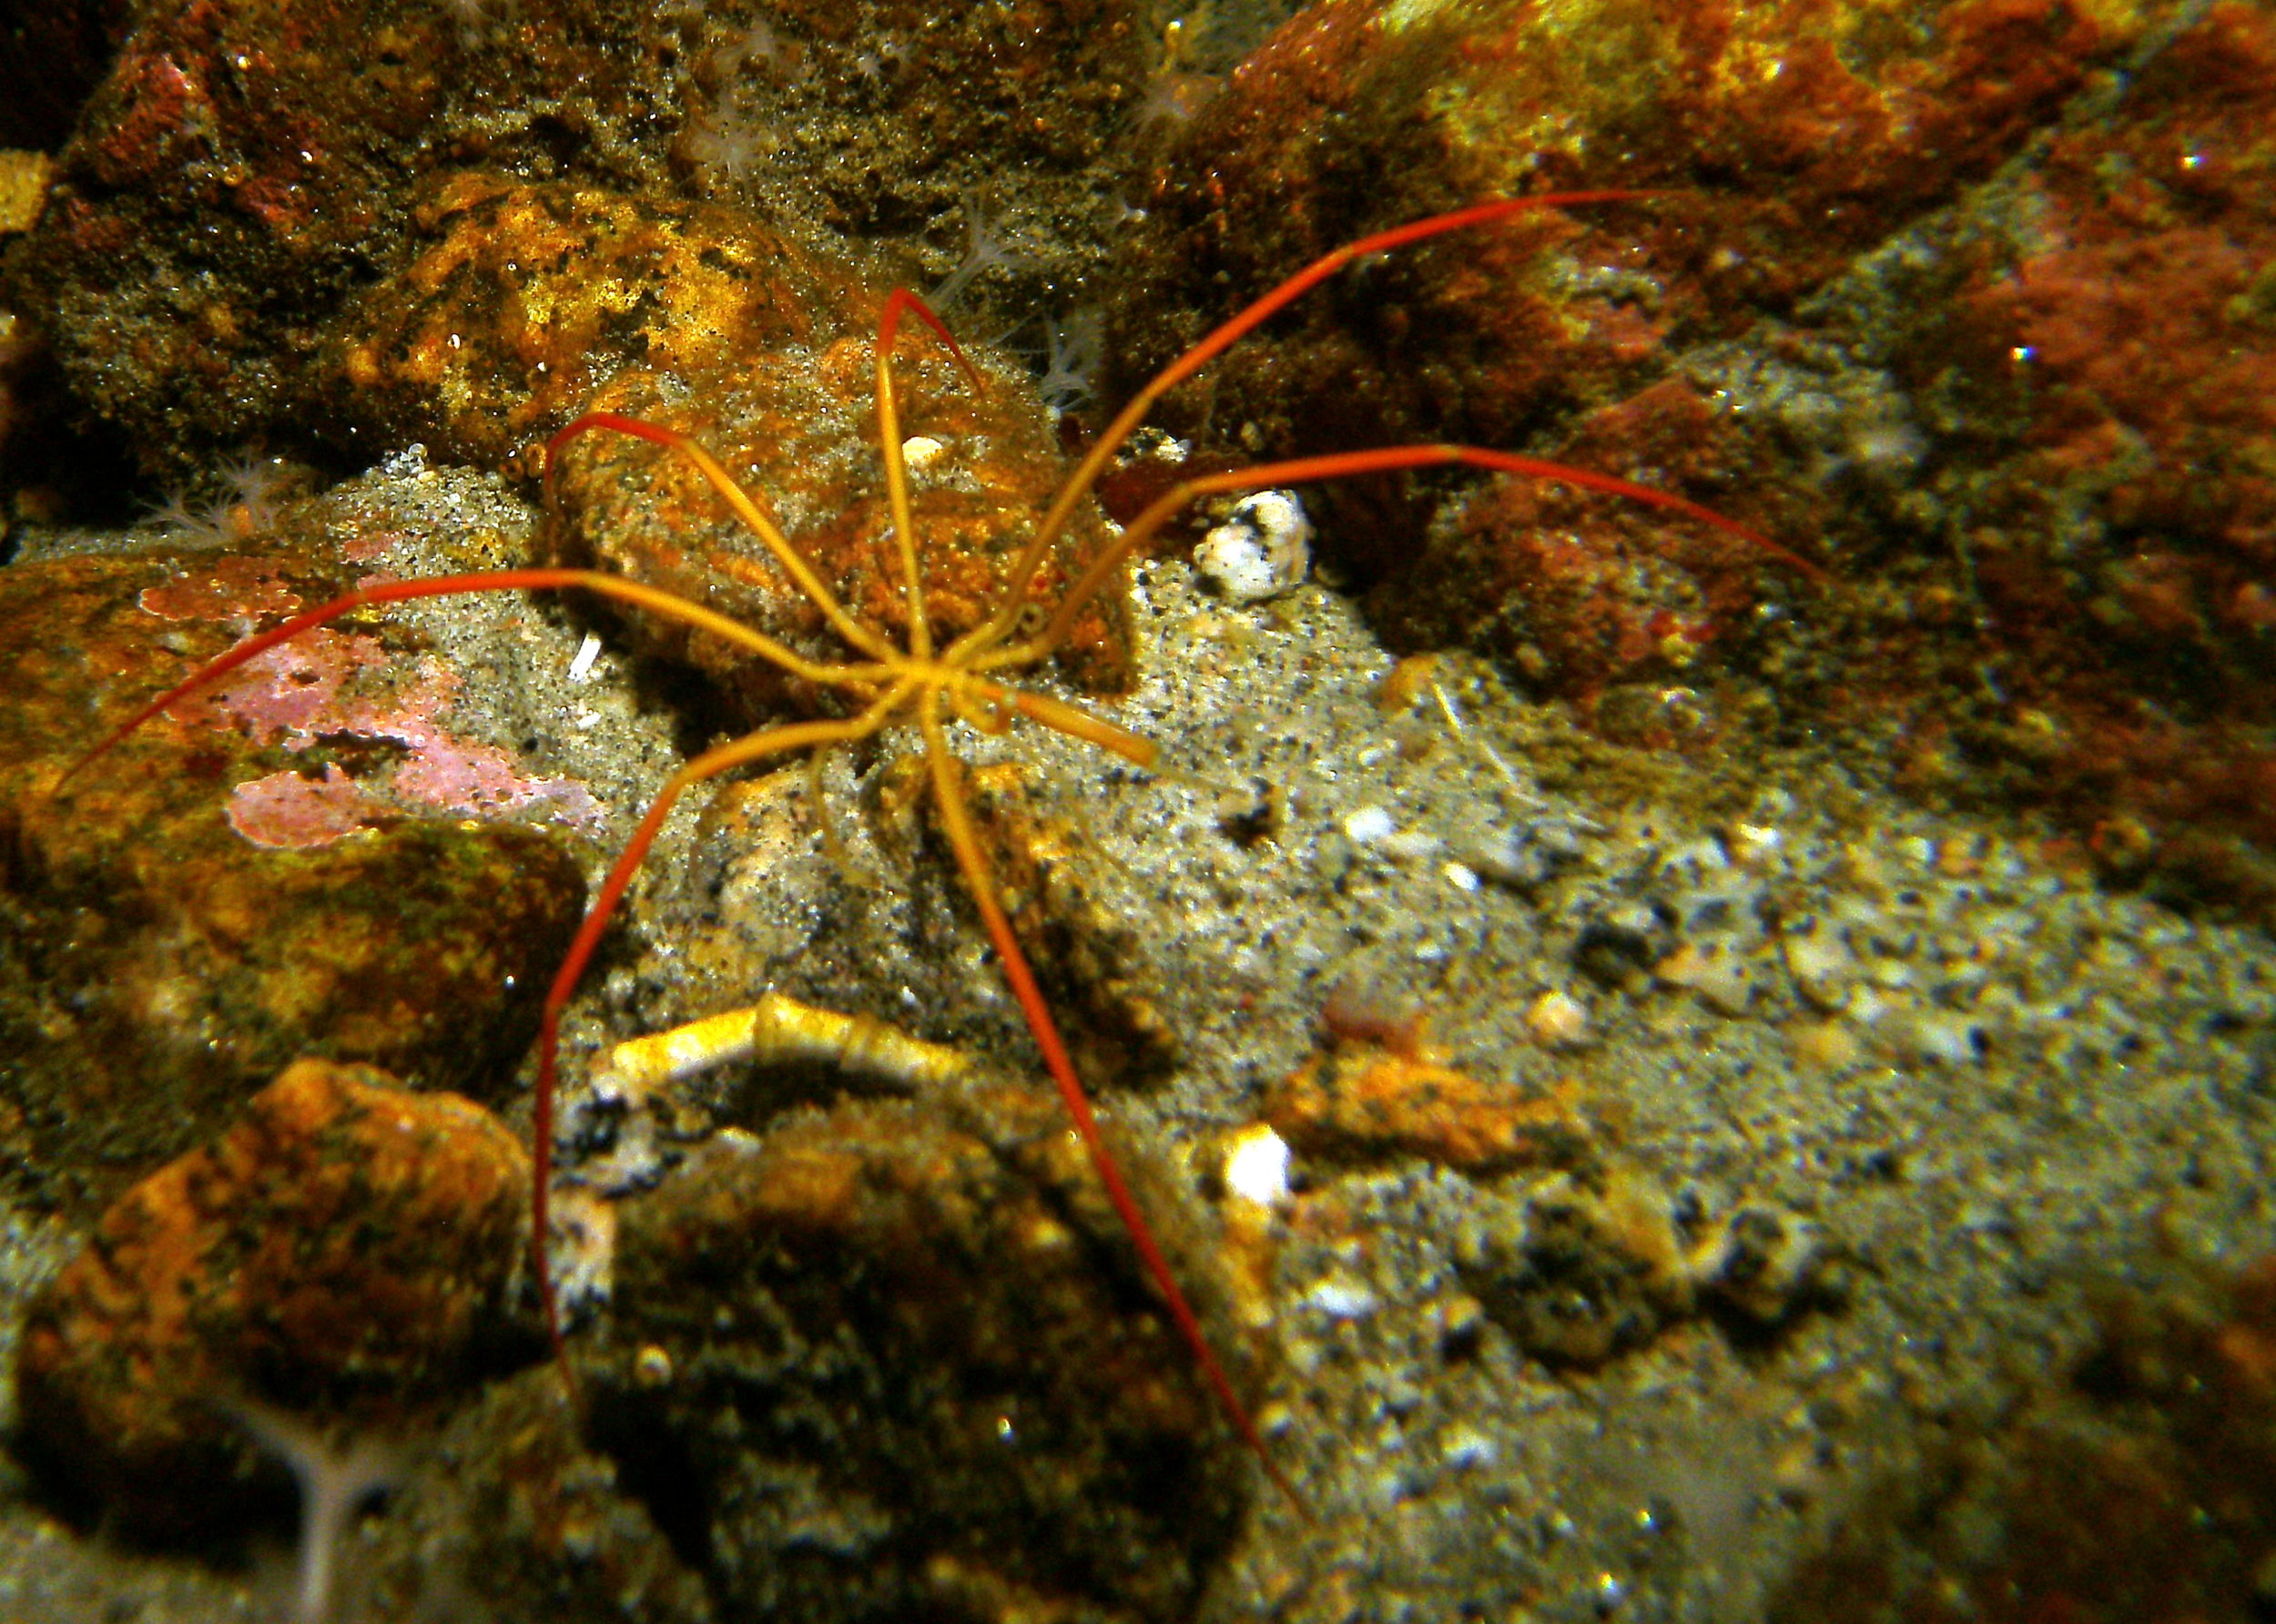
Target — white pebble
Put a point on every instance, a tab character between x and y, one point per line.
1466	1447
1369	826
1940	1035
1556	1019
1822	965
1341	1299
1261	551
1754	845
1256	1167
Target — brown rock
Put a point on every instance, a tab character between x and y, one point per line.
158	965
238	173
245	176
1968	301
1584	1268
1789	135
1089	961
520	296
894	1361
768	360
348	1250
1358	1103
515	1515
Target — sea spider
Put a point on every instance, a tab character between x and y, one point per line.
963	681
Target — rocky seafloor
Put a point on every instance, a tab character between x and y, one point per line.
1886	1244
1687	1072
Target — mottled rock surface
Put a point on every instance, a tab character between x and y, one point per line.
891	1360
349	1251
509	1510
172	941
1359	1102
1965	303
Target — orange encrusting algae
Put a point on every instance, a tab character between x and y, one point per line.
934	684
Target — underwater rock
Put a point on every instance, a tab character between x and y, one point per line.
347	1251
519	298
865	120
1581	596
242	169
1356	1102
1581	1269
892	1360
1263	548
1967	304
245	174
2112	365
1763	1264
160	965
1788	137
768	361
509	1512
1089	961
2089	1489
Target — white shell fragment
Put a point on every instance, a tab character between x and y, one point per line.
1261	551
1557	1020
1369	826
1257	1166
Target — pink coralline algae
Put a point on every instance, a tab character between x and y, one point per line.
330	686
285	812
231	585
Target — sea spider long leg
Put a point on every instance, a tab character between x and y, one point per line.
932	686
